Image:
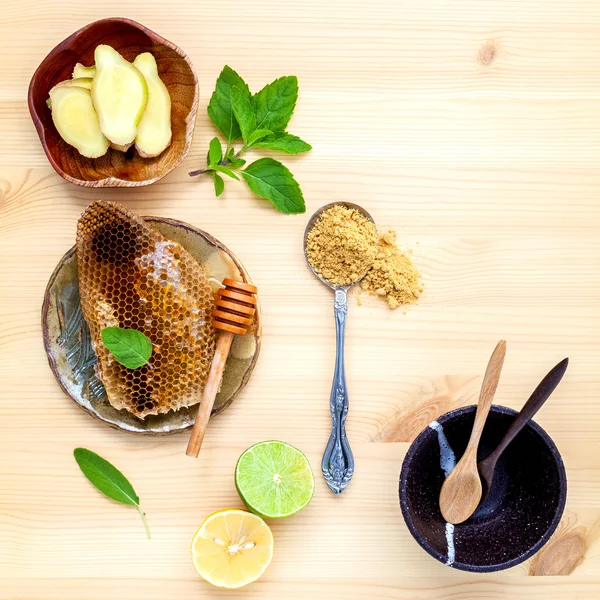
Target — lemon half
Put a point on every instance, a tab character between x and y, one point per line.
232	548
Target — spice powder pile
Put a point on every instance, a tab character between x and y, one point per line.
393	276
342	245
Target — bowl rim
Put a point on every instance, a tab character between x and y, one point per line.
111	181
545	536
52	362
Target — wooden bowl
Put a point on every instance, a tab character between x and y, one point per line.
72	359
115	169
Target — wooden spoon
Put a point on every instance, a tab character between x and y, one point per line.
462	489
541	393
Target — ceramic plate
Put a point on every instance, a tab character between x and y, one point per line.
72	359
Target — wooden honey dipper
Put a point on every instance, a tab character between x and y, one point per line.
232	315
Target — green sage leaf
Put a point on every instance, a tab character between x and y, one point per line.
215	151
270	179
130	347
108	479
226	171
257	135
220	110
219	183
283	142
275	103
243	109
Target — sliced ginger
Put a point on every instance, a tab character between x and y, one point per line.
84	82
154	129
76	120
80	82
121	147
119	95
81	71
130	101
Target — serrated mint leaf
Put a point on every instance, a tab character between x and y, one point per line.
130	347
219	183
257	135
108	480
270	179
220	110
283	142
225	170
215	151
275	103
243	109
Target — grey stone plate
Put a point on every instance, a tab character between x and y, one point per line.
72	359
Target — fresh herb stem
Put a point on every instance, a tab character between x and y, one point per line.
143	515
222	163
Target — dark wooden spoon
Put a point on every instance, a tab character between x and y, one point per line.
541	393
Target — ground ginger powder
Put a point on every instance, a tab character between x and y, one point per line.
393	275
342	245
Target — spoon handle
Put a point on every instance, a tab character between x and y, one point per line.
541	393
338	462
486	396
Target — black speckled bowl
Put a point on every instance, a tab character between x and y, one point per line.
519	515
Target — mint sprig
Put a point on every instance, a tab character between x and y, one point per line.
260	121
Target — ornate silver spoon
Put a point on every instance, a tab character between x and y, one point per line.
338	462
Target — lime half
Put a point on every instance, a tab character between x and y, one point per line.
274	479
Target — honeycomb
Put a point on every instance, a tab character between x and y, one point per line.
132	277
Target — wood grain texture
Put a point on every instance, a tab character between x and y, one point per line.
471	128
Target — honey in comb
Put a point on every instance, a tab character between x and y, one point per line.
132	277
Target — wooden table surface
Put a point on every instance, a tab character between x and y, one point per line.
472	129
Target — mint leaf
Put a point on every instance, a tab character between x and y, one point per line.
283	142
130	347
270	179
225	170
243	109
219	183
108	479
219	107
215	151
258	134
237	162
275	103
